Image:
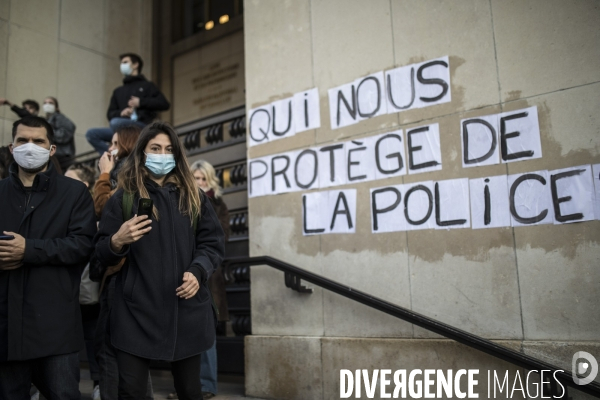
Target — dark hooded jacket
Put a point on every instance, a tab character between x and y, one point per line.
39	302
64	134
151	99
148	319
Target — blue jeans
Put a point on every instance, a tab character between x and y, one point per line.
100	138
208	370
56	377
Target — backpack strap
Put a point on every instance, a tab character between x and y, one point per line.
127	205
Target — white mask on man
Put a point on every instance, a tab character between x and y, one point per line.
31	156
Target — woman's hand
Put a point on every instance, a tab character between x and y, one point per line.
106	163
131	231
190	286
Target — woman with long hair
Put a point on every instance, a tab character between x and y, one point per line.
162	308
122	144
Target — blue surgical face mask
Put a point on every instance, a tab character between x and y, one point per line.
126	69
160	164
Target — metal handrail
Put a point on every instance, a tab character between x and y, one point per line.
294	273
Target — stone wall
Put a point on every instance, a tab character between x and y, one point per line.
69	49
536	284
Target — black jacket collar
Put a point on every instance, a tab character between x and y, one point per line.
130	79
41	181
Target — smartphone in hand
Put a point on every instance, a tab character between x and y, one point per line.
145	207
6	237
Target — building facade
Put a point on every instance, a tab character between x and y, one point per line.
294	75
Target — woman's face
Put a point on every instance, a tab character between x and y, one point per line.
48	100
113	143
201	180
160	144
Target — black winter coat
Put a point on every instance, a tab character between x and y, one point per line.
39	302
151	99
148	319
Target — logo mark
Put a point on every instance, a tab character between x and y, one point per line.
581	367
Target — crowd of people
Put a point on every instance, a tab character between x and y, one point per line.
122	260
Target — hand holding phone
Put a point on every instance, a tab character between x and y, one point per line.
145	207
6	237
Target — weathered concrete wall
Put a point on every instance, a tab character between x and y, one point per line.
537	283
69	49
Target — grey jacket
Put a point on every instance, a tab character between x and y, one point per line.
64	134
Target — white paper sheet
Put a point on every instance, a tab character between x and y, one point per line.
532	198
389	155
452	210
342	211
426	152
527	130
392	220
343	113
596	176
305	169
419	204
260	125
259	177
281	173
400	88
497	210
307	111
480	145
360	156
438	69
370	95
574	194
282	113
332	165
315	208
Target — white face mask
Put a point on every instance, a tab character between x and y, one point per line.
49	108
31	156
114	152
126	69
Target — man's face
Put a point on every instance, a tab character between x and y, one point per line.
127	60
28	134
31	111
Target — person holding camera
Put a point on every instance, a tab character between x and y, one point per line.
162	308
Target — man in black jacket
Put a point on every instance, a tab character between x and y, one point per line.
30	107
137	101
48	223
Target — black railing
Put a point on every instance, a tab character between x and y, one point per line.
293	275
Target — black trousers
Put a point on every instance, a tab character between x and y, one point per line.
133	376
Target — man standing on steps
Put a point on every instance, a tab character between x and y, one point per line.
47	223
138	101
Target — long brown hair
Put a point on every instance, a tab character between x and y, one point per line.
127	138
133	173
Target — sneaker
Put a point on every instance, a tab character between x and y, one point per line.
207	395
96	393
172	395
